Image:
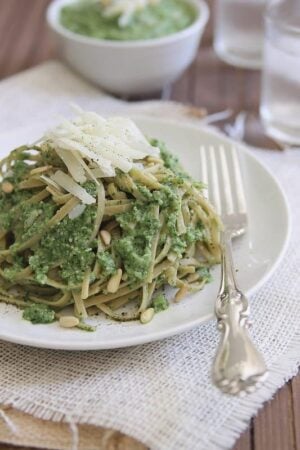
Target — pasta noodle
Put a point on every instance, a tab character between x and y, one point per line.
147	228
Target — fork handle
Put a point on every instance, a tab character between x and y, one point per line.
238	366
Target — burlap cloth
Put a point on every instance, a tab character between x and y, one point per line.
159	393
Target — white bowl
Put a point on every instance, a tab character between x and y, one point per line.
129	67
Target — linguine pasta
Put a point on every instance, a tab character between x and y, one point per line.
106	242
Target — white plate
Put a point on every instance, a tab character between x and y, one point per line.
256	254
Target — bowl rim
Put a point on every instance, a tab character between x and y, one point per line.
52	16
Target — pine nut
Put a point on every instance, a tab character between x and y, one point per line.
68	321
181	293
114	282
105	236
7	187
147	315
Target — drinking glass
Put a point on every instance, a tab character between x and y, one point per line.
280	94
238	34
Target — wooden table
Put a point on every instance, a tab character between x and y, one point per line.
25	42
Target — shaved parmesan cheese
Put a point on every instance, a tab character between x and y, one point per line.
126	130
50	182
125	9
77	211
87	169
97	173
138	166
73	165
69	185
86	151
113	143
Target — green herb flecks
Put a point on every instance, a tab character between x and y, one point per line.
205	274
67	245
139	226
38	314
160	303
107	264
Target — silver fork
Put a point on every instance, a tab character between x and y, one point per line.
238	366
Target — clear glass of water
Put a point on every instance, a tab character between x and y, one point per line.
239	32
280	96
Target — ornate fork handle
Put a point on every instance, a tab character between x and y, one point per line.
238	366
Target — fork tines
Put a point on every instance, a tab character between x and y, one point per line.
220	170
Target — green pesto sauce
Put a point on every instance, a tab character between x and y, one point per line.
29	220
67	244
205	274
154	21
8	202
11	272
18	171
139	227
160	303
39	314
171	161
107	264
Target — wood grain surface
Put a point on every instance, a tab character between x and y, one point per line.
25	41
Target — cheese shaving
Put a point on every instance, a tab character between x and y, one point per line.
113	143
69	185
77	211
73	165
125	9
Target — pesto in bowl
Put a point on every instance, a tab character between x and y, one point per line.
154	21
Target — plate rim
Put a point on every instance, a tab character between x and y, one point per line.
124	342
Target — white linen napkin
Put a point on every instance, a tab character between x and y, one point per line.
160	393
